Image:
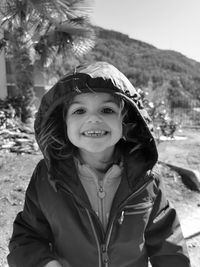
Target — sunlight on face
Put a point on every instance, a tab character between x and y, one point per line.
94	122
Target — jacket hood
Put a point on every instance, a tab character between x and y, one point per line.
96	77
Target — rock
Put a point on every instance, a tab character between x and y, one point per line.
191	178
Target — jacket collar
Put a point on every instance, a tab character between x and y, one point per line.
65	177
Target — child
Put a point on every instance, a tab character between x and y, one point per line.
95	199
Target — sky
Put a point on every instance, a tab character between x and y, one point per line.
166	24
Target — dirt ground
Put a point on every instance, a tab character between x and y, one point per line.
184	151
15	172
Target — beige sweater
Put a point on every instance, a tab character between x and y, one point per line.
100	188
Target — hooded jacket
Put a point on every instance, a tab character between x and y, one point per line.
58	223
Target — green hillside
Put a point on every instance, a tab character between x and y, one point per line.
164	74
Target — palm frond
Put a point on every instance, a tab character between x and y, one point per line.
10	10
82	35
74	36
59	11
82	46
19	13
3	43
51	26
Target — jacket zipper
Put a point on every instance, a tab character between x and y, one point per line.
96	237
101	203
99	247
105	246
138	209
103	249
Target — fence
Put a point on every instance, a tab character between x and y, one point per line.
188	115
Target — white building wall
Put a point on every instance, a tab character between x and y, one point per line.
3	87
3	83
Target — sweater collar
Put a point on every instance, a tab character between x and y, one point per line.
87	172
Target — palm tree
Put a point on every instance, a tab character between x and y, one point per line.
42	29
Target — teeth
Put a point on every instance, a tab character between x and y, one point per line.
94	133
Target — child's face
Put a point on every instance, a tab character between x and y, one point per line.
94	122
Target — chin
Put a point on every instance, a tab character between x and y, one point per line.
94	150
98	148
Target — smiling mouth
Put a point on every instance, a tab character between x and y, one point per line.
95	133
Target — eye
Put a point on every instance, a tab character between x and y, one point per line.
107	110
79	111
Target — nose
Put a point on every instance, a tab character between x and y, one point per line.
94	118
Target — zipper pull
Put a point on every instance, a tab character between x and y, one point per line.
101	193
104	254
121	219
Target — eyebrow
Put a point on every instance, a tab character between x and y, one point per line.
76	102
104	102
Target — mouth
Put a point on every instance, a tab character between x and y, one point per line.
95	133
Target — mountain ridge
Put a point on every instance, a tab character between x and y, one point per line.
167	73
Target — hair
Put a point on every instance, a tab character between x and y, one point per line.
53	137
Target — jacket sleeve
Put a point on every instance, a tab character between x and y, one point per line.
30	244
164	239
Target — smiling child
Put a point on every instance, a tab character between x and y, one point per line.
96	199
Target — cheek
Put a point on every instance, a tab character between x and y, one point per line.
118	130
72	136
119	125
70	129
